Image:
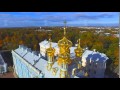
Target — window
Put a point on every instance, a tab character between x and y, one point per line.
90	64
89	70
94	72
95	66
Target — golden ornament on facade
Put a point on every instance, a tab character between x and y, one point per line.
63	74
54	71
86	74
79	65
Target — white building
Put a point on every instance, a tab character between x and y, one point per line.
94	62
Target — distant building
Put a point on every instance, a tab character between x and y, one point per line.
116	35
107	34
3	65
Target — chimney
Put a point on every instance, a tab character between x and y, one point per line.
26	50
94	50
39	55
33	53
86	48
19	46
34	62
29	50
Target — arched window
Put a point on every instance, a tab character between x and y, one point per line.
89	70
96	65
89	64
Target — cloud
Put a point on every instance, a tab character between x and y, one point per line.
42	18
5	15
93	17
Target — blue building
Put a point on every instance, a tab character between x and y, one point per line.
25	63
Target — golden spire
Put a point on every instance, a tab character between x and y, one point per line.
64	44
78	50
64	54
65	28
79	43
50	40
64	31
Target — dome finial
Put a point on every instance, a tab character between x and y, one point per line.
65	27
79	41
50	39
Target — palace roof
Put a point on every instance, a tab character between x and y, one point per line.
40	63
95	56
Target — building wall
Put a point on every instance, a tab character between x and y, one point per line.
95	69
24	69
3	66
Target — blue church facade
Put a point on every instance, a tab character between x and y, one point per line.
23	68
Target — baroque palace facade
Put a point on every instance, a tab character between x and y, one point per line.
58	60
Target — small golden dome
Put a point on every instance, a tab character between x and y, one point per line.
50	50
78	50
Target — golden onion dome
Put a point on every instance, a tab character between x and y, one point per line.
64	53
64	42
78	50
50	51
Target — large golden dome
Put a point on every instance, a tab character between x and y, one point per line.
64	41
64	54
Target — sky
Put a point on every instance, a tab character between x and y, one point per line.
26	19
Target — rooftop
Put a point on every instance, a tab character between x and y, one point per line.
37	60
93	55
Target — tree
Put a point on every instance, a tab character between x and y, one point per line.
1	43
21	42
98	46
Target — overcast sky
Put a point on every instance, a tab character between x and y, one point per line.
23	19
